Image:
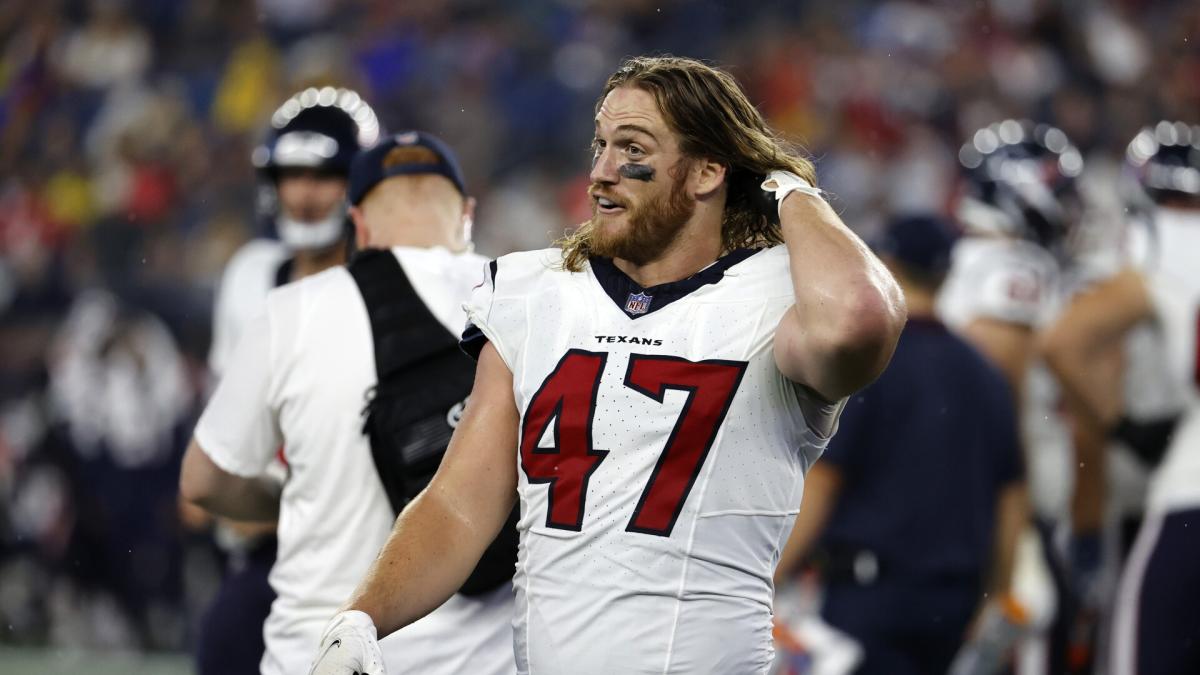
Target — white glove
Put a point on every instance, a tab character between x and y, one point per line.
350	646
784	183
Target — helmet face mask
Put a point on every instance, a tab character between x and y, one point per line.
1019	181
315	133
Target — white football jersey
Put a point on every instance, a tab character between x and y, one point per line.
1173	278
661	460
299	377
1016	281
248	276
1008	280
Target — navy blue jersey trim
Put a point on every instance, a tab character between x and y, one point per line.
620	287
283	273
472	341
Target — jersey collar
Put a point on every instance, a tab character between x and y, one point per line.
636	301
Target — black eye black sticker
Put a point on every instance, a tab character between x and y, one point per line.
636	172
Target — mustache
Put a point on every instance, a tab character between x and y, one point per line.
600	190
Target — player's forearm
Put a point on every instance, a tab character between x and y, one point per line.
245	499
206	485
1084	346
849	310
241	499
431	551
1088	392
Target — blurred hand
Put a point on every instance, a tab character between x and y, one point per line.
991	638
349	647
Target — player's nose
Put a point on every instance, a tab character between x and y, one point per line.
604	167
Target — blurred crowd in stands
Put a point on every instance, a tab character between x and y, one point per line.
126	182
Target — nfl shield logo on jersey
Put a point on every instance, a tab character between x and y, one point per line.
638	303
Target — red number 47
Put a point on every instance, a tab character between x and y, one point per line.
567	399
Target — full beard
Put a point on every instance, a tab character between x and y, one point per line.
652	228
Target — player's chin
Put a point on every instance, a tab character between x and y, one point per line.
610	224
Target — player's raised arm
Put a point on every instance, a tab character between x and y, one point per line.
1094	320
849	312
440	536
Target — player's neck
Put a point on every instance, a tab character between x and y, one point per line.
688	255
307	263
419	233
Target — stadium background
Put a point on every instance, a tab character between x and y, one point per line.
126	183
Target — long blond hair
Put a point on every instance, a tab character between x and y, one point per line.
710	113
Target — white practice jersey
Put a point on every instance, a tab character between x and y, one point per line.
299	376
249	275
661	460
1016	282
1173	278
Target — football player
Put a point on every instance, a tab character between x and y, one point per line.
1111	466
1156	627
1018	207
652	391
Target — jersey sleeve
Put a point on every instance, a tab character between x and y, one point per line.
497	309
238	429
479	309
853	431
1015	291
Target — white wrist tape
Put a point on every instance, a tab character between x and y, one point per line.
352	620
783	183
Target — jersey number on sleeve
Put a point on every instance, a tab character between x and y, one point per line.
567	399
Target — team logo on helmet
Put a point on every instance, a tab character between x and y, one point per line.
638	303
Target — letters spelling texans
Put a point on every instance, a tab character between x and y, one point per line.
626	339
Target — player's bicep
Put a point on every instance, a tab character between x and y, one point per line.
478	474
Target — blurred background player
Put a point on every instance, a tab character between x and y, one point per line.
1156	627
1111	466
1018	207
912	513
300	377
303	167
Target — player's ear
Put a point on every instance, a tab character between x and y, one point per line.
707	176
362	236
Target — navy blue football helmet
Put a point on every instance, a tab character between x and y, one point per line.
1164	161
320	129
1020	180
